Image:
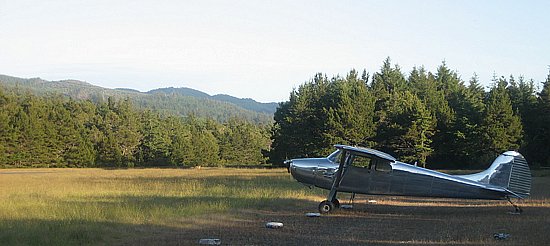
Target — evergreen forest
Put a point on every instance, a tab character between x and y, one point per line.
56	131
434	119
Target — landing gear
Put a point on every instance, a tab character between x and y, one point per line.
352	198
331	202
517	209
336	203
326	207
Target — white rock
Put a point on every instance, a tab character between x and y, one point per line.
210	241
274	225
313	214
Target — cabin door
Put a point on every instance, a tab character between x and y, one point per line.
381	177
357	175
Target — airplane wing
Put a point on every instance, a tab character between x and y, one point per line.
367	152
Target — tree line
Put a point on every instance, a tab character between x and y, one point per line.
55	131
429	118
432	118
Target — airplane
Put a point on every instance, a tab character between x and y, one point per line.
359	170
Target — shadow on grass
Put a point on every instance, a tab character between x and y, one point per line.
52	232
240	220
367	224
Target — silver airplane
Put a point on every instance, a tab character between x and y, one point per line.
360	170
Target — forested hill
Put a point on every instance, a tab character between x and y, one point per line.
246	103
179	101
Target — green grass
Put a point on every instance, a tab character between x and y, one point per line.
181	206
75	206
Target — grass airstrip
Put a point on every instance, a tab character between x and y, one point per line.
181	206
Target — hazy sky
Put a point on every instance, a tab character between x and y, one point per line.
263	49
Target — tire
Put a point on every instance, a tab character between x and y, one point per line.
326	207
336	203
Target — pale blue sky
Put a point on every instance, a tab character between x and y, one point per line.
263	49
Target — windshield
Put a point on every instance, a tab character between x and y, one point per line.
335	156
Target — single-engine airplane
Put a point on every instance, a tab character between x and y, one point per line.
360	170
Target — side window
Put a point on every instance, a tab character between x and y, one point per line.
361	161
383	166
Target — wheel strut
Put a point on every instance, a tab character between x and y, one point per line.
352	198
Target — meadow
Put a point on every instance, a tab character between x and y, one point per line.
181	206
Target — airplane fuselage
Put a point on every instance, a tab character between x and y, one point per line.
401	179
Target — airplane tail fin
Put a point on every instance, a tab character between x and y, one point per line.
511	171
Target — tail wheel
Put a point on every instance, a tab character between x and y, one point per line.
326	207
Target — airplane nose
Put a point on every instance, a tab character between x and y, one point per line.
303	172
288	163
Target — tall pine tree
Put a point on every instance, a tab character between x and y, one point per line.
541	139
407	129
501	126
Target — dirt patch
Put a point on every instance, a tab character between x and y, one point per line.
389	221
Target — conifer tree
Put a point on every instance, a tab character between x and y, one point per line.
408	128
541	139
205	147
4	127
241	143
467	125
321	113
71	138
384	83
389	79
181	148
281	133
350	112
34	144
155	142
300	124
524	101
501	127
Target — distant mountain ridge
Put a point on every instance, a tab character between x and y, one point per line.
183	91
181	101
246	103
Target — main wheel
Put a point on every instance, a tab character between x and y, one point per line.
336	203
326	207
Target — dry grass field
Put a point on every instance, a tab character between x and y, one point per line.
181	206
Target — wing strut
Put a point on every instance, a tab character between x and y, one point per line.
331	202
